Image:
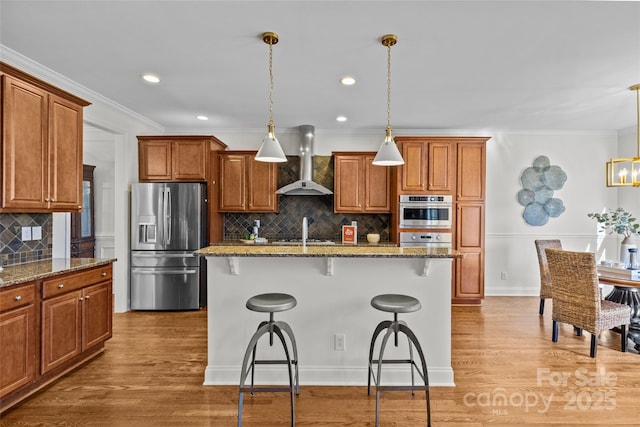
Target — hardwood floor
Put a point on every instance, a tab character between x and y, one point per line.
507	372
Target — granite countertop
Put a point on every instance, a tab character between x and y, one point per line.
22	273
354	251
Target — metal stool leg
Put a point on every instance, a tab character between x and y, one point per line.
287	329
270	328
381	327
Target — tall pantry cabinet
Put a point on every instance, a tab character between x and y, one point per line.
455	166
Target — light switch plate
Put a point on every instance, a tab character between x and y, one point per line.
36	233
26	234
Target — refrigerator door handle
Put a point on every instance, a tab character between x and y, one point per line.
168	215
163	271
143	255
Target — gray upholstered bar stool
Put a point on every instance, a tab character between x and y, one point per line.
394	303
270	303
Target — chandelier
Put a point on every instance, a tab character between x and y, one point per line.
625	172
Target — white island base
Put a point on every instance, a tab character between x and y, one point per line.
334	296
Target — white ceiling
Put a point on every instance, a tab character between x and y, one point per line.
474	65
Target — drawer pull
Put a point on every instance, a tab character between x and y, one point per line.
61	285
104	273
18	297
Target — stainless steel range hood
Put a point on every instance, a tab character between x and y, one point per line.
305	185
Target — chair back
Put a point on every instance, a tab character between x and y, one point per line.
574	284
545	280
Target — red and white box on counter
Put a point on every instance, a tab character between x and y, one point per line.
350	234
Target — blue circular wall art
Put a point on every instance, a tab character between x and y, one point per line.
539	182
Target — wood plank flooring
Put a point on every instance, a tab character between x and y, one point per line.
507	372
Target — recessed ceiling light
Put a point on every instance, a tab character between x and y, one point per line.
150	78
348	81
202	117
341	119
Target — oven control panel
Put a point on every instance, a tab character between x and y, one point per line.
428	239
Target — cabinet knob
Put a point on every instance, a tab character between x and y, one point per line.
18	297
79	206
104	273
47	200
87	297
61	285
80	299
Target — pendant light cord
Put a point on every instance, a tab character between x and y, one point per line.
270	83
389	86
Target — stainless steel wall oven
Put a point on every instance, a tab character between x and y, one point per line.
425	211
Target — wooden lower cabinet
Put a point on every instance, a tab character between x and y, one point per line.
18	331
64	324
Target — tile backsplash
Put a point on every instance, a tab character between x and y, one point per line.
15	251
323	222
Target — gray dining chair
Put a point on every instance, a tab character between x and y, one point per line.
545	281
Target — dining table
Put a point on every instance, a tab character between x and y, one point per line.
626	290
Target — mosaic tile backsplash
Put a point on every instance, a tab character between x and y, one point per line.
13	250
324	224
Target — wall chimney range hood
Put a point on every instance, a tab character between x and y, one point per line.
305	185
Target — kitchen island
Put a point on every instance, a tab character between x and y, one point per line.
333	286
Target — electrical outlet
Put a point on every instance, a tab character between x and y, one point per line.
36	233
503	275
26	234
339	341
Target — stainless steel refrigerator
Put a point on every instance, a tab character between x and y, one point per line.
168	223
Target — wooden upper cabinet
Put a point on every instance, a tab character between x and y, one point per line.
173	158
65	155
471	171
441	168
359	185
41	145
247	185
413	172
429	165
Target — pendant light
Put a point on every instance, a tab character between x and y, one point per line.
270	150
388	153
625	172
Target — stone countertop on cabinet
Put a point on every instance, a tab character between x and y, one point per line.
329	251
22	273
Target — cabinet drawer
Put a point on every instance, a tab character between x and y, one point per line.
18	297
70	282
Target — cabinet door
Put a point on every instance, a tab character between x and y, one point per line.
154	161
348	186
413	172
469	271
189	160
440	168
377	185
61	330
65	155
24	146
18	344
262	183
471	171
233	184
97	309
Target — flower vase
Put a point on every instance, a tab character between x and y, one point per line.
626	243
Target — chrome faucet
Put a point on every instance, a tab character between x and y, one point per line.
256	228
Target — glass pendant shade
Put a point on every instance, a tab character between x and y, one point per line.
270	150
625	172
388	153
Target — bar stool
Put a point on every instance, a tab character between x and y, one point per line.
270	303
394	303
